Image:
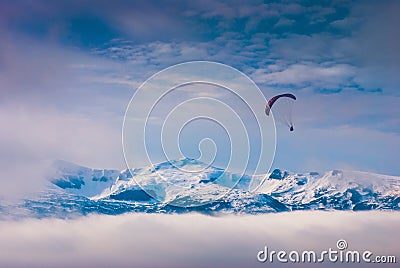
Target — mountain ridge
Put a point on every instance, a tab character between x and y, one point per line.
281	190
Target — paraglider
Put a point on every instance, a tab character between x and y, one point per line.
284	110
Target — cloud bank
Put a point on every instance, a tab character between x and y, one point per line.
191	240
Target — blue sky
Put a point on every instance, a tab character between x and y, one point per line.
69	68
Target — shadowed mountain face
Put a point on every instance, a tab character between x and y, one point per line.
77	190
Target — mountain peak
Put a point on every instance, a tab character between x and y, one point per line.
179	163
278	174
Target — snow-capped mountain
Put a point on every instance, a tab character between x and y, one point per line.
174	187
336	189
185	182
170	185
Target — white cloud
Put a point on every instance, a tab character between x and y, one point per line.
32	137
284	22
366	39
191	240
317	47
56	103
306	74
347	23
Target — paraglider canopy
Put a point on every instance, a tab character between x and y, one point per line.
283	111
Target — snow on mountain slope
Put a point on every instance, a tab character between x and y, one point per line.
173	183
83	181
334	190
169	183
